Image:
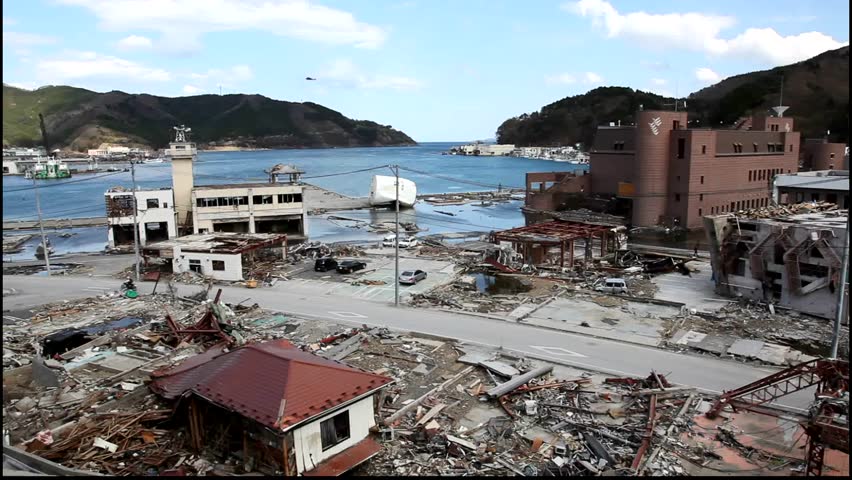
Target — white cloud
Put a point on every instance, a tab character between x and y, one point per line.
20	39
592	77
345	73
658	81
706	75
658	66
190	90
701	32
560	79
589	78
82	65
225	77
135	41
181	23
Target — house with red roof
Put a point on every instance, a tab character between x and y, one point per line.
281	410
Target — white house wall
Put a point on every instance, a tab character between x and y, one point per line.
233	264
145	215
308	442
205	217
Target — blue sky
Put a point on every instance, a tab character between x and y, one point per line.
437	69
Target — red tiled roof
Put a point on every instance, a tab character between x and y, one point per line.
253	380
346	460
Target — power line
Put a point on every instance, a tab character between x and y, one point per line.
468	182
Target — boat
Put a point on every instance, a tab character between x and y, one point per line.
153	160
383	191
49	170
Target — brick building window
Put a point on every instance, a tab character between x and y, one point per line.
830	155
749	175
681	147
754	145
699	212
703	149
791	147
677	197
702	179
700	197
770	147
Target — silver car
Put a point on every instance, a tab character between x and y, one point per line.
410	277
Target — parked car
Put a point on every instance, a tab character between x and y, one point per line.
404	242
613	285
325	264
410	277
349	266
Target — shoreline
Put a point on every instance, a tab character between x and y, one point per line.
249	149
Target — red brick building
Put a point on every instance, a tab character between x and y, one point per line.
819	154
674	175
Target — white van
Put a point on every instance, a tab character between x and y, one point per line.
613	285
404	242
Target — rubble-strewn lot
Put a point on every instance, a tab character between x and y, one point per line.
75	392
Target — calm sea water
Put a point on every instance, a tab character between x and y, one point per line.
74	198
83	195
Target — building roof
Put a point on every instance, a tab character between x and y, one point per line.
220	242
554	232
255	380
243	185
818	180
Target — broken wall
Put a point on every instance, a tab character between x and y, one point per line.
307	439
792	265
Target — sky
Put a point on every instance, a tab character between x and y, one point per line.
439	70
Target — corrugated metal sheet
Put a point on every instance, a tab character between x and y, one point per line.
253	380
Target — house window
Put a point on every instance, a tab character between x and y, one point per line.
699	212
195	266
700	197
702	179
165	205
152	203
208	202
754	146
681	147
749	175
675	125
830	155
219	265
334	430
677	197
703	149
262	200
791	147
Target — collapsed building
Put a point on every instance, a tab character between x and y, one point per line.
550	242
285	410
155	215
830	186
792	261
221	256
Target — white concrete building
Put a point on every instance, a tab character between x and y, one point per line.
10	167
220	256
155	216
250	208
118	150
97	152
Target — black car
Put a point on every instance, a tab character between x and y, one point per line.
325	264
349	266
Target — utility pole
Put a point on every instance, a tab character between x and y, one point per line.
135	224
41	227
396	243
844	283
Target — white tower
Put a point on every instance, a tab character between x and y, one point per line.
183	155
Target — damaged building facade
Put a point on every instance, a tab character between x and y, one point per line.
792	261
221	256
155	216
250	208
561	242
284	410
830	186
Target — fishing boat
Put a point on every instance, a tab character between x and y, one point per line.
383	191
49	170
153	160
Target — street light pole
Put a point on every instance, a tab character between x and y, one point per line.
135	223
41	227
396	242
844	285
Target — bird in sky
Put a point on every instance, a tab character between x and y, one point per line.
310	78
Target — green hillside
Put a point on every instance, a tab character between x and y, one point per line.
79	119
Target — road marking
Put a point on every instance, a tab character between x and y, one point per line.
558	351
98	289
348	314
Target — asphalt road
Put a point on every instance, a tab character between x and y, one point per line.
612	357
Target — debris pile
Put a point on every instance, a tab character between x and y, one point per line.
773	211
